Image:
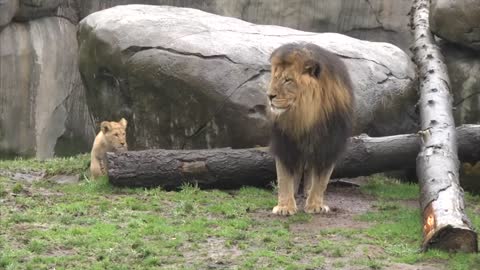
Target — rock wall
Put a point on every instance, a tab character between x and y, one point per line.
28	117
375	20
42	100
43	107
464	68
457	21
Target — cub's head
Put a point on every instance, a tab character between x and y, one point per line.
114	134
294	72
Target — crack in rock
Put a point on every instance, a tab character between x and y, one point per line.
374	13
134	49
371	29
390	73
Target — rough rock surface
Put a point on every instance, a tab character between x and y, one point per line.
374	20
457	21
32	9
189	79
42	100
464	68
8	8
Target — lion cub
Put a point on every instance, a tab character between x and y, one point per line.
111	138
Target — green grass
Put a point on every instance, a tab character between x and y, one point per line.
388	188
93	225
68	165
397	227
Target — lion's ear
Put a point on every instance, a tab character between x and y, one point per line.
105	126
312	68
123	122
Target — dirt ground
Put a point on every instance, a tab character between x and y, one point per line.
346	203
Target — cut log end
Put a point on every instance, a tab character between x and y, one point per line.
452	239
447	237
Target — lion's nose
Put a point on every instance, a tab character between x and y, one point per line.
271	97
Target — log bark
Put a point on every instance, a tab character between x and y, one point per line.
233	168
219	168
445	224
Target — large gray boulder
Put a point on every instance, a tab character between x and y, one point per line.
189	79
42	100
457	21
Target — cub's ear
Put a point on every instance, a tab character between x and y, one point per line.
123	122
105	126
312	68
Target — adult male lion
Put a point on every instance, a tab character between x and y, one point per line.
111	138
311	102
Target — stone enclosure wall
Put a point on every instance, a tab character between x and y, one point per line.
47	108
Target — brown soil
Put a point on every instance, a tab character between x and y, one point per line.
346	203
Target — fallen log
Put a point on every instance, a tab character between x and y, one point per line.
445	224
233	168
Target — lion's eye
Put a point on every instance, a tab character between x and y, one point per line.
287	80
116	134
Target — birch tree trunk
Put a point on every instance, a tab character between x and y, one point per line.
445	224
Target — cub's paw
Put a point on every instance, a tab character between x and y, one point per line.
316	208
284	210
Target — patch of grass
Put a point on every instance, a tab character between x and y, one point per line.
472	198
337	252
339	264
397	228
300	217
390	188
93	225
370	263
68	165
37	246
17	188
3	191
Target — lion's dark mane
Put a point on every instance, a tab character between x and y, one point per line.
321	146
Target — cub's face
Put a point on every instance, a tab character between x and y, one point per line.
114	134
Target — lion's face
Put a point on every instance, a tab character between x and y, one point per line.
283	90
291	81
114	134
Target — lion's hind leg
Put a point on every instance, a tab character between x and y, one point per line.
314	203
286	191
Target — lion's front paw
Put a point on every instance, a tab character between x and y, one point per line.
284	210
313	208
